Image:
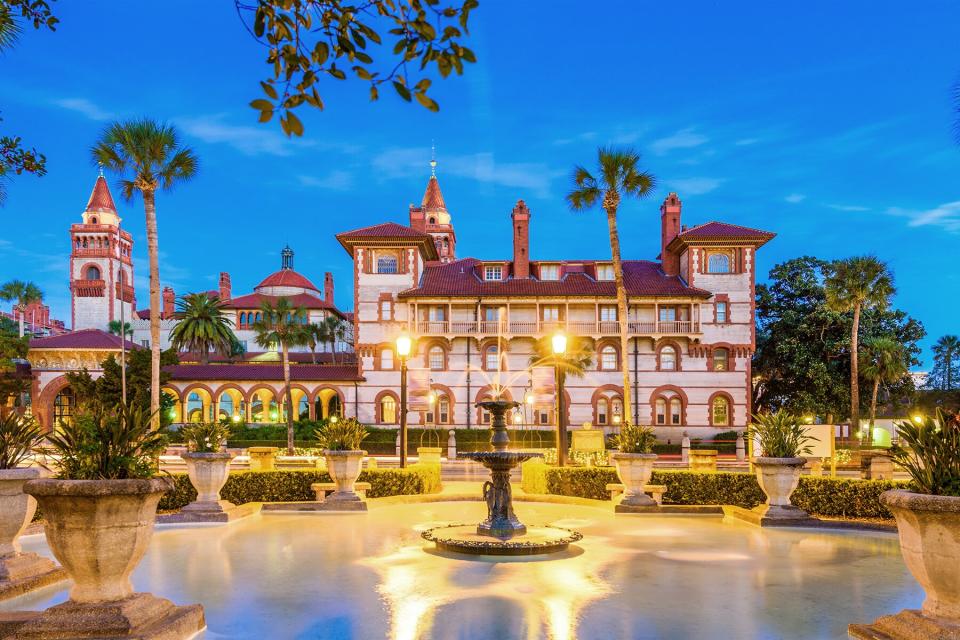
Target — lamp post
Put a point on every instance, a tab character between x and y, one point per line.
403	351
559	344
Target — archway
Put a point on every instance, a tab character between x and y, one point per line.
176	409
263	406
230	404
198	405
63	405
328	402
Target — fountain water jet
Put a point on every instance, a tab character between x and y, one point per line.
501	533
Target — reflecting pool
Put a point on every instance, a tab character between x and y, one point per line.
371	576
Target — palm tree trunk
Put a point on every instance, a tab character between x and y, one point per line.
149	206
873	408
621	310
313	353
288	393
855	371
23	312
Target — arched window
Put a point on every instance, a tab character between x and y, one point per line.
386	263
93	220
718	263
256	408
443	409
432	220
668	358
661	406
608	358
616	410
436	358
720	412
243	319
720	359
484	414
63	407
676	411
603	407
93	273
386	359
490	358
388	410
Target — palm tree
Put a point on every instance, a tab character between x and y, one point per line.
282	324
883	362
855	284
202	326
619	176
336	331
147	156
573	362
114	328
944	351
23	294
314	334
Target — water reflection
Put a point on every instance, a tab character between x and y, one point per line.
371	576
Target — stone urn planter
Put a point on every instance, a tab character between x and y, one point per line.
344	468
778	478
929	529
20	572
99	530
635	470
208	473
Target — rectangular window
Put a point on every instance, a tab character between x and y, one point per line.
146	343
668	314
608	313
428	417
387	264
386	309
550	313
549	272
491	314
721	311
493	272
604	272
437	314
543	416
386	359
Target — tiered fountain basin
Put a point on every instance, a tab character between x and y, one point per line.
502	533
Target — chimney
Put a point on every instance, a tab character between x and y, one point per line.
169	298
328	287
418	220
521	240
669	229
224	286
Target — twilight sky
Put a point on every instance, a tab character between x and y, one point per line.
830	126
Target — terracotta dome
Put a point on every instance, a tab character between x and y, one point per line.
287	278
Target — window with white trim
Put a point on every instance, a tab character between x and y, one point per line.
608	358
720	411
721	359
720	310
605	272
436	358
493	272
387	263
549	272
718	263
386	359
608	313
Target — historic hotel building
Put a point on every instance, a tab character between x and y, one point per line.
474	321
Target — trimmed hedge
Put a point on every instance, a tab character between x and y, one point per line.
837	497
294	486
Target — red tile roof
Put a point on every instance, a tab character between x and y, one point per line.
82	339
386	232
254	300
272	372
100	198
460	279
287	278
270	357
724	231
432	198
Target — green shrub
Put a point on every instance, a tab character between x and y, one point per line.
341	435
533	476
18	437
293	486
932	453
780	434
205	437
635	439
823	496
430	474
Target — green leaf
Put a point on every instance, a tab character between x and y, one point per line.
402	90
294	124
262	105
266	116
427	102
269	90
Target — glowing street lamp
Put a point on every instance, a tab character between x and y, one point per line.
918	419
403	351
559	344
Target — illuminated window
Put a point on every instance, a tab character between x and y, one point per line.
668	359
493	272
386	359
436	358
721	311
721	411
608	358
720	357
718	263
388	410
604	272
549	272
63	407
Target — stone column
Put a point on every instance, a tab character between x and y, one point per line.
685	449
452	445
741	449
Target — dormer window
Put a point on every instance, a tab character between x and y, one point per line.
387	263
493	272
549	272
604	272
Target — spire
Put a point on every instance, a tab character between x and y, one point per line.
432	198
100	198
286	258
433	160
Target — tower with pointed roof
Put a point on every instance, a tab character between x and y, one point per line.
432	217
101	268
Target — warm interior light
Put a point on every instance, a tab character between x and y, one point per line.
559	343
236	417
403	345
616	419
529	398
334	419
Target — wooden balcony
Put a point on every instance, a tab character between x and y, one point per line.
124	292
88	288
542	328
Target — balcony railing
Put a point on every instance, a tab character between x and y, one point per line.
124	292
88	288
546	327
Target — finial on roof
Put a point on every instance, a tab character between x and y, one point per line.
433	159
100	164
286	258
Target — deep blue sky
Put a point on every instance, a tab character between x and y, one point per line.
829	125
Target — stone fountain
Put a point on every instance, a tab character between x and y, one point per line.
501	533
